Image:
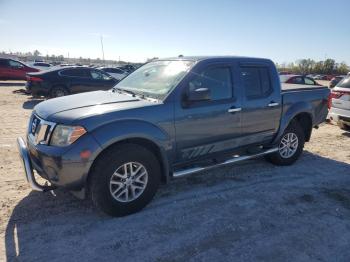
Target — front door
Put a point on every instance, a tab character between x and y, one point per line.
208	127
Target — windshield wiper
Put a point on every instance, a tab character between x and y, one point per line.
125	91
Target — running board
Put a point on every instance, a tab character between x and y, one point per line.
233	160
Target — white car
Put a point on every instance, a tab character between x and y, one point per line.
340	104
116	73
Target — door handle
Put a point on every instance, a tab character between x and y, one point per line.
233	110
273	104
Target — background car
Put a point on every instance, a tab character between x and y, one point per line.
41	65
69	80
117	73
11	69
297	79
128	68
335	80
339	103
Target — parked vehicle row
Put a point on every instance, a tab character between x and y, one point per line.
168	119
11	69
339	103
68	80
297	79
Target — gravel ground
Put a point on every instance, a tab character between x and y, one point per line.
252	211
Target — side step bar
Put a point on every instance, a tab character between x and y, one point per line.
233	160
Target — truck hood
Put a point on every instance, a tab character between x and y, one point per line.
70	108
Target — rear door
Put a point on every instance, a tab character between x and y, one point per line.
261	103
4	69
16	70
76	78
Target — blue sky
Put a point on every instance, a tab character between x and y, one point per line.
135	30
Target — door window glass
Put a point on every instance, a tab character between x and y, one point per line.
256	82
217	80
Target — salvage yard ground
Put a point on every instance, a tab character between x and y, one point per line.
247	212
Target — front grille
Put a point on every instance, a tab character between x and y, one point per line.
39	130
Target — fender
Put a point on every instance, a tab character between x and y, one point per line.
121	130
289	115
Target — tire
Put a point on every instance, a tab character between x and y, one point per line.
343	126
104	179
289	150
58	91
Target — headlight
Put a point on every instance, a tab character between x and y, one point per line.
66	135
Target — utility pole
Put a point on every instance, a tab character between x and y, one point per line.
103	53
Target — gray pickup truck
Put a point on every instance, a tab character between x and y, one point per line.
170	118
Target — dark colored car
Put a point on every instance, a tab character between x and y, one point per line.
70	80
43	64
297	79
334	81
117	73
169	118
14	70
127	68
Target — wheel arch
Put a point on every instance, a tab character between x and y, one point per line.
300	112
60	85
141	141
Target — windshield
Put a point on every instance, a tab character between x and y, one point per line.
344	83
156	79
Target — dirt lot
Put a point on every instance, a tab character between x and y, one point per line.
248	212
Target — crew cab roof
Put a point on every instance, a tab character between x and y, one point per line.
217	58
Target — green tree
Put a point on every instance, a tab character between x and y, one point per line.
36	53
329	66
343	69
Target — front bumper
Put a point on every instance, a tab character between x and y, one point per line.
339	115
62	167
28	169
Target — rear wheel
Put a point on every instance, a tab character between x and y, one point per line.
58	91
124	179
290	146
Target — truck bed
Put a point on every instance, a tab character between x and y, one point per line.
295	87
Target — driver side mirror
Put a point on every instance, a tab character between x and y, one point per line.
199	94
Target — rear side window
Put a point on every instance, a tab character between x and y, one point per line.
98	75
309	81
217	80
256	82
15	64
74	72
113	70
296	80
118	71
344	83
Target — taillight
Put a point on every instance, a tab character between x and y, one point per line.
34	79
336	95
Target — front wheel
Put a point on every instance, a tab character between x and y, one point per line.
124	179
290	146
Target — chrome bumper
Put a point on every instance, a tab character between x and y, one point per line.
27	166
